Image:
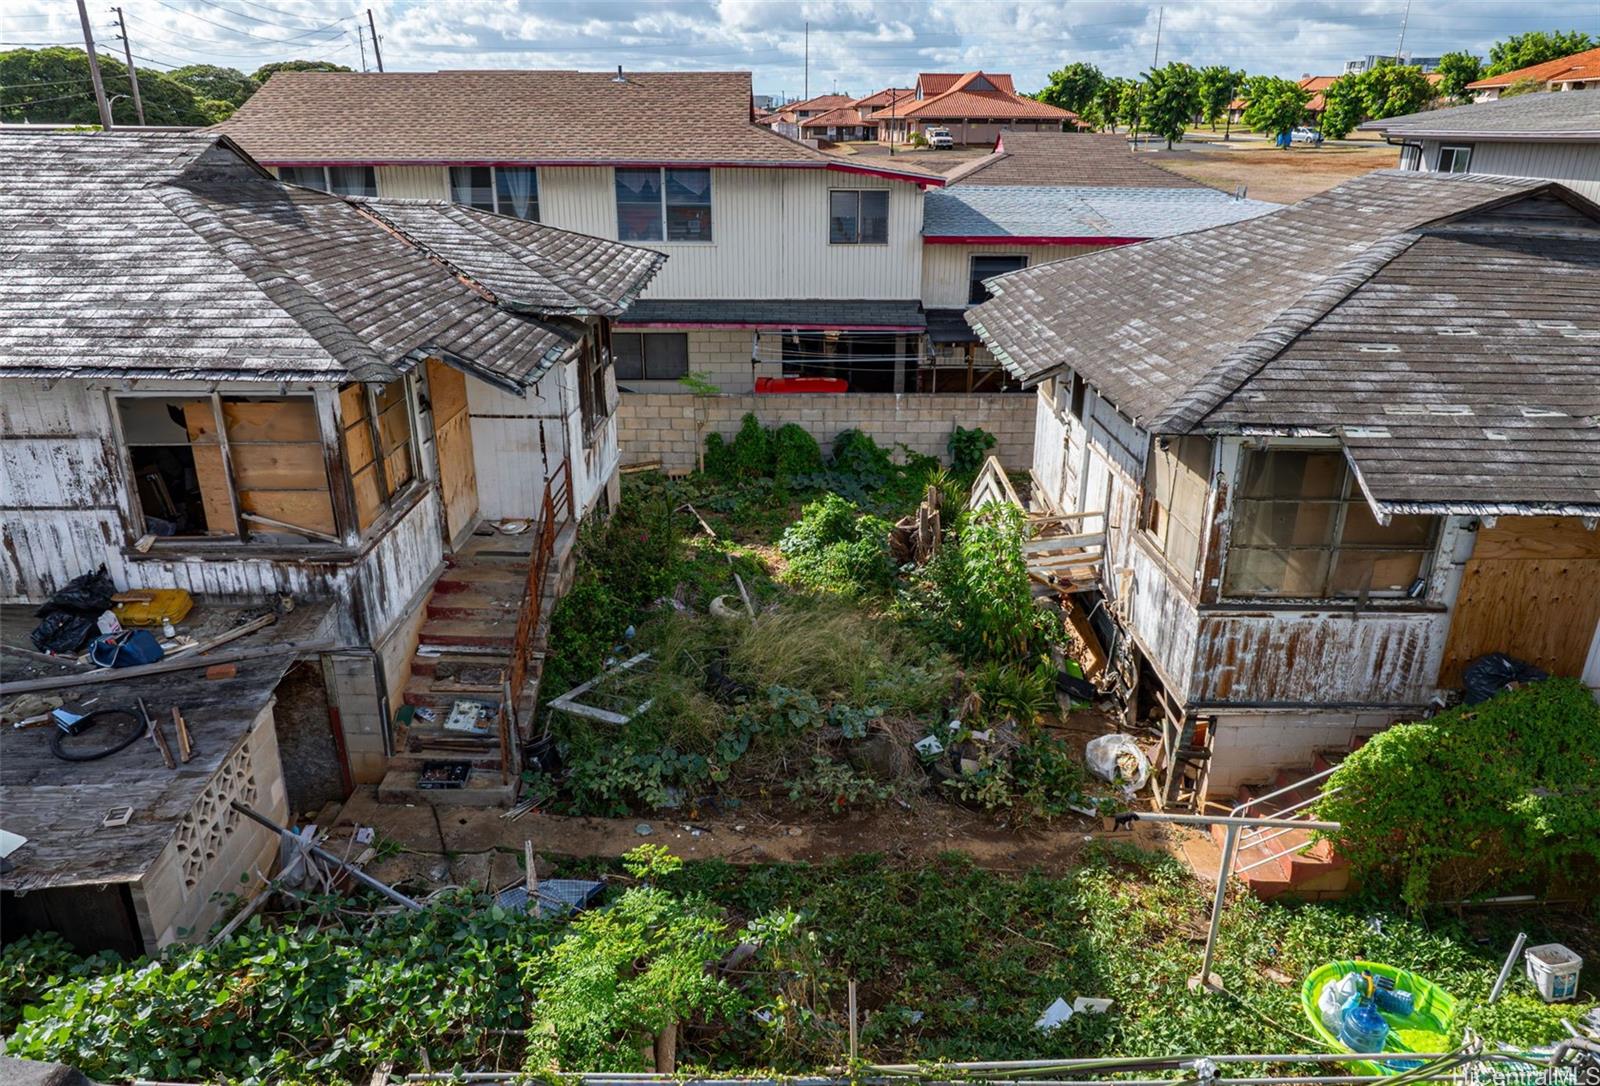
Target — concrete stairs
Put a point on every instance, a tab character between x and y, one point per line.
1286	863
463	653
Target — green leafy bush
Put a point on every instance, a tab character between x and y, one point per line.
1005	690
834	546
1490	798
862	459
968	448
719	458
752	449
36	963
795	452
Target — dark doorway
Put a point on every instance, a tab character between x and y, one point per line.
313	767
865	359
91	918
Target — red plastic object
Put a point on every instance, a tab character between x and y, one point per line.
801	384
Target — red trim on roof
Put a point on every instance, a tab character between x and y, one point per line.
769	326
842	167
1023	239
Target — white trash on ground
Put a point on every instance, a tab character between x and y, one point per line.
1117	757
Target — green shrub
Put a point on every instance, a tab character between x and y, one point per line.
33	965
1490	798
719	458
976	598
752	450
862	459
795	452
1006	690
968	448
835	547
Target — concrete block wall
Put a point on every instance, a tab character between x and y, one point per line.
1250	747
720	355
666	427
354	689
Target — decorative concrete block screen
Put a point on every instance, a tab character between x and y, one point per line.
206	827
670	427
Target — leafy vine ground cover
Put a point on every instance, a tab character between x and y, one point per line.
952	963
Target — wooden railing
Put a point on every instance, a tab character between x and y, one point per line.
557	506
1063	550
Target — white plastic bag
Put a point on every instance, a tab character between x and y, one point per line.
1106	755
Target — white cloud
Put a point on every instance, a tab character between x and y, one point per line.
855	45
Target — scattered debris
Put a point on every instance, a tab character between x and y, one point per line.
1054	1015
643	829
117	816
1091	1005
551	897
1118	759
630	707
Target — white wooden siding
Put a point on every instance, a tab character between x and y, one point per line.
413	182
947	269
1575	164
517	441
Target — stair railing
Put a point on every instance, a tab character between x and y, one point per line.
1295	812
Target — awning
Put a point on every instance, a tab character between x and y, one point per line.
776	315
950	326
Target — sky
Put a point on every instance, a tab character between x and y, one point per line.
855	46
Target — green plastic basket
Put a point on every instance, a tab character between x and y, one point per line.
1425	1029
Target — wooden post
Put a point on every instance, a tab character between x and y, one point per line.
94	68
185	747
666	1050
530	877
133	73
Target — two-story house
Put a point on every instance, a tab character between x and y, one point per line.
1338	452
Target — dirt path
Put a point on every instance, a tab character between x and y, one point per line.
465	846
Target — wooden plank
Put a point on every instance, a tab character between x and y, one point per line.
1537	537
211	474
447	392
311	509
279	467
1096	658
458	478
1050	544
1540	610
369	502
290	420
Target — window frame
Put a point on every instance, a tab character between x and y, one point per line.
494	190
1349	494
974	284
327	179
236	534
661	173
644	354
1456	151
389	497
1159	535
857	193
593	406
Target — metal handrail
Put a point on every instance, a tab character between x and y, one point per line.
1240	808
1281	812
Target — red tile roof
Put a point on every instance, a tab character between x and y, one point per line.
961	101
821	102
836	118
1578	66
932	83
549	118
882	99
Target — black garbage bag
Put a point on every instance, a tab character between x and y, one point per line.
1488	675
89	595
63	632
70	615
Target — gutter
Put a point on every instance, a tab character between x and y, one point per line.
923	180
1025	239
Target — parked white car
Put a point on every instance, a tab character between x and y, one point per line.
940	139
1307	134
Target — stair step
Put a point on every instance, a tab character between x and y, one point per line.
462	631
476	604
483	788
479	577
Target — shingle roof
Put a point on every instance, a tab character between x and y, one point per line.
171	255
541	118
762	313
1067	158
1115	214
1478	388
1584	66
1565	115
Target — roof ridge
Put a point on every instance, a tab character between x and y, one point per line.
280	286
1246	360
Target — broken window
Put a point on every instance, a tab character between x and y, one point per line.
228	467
1303	530
591	386
1176	482
378	446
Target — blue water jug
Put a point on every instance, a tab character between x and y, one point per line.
1360	1027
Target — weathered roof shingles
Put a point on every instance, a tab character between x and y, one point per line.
171	255
1067	158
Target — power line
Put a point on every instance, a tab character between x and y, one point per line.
42	101
244	33
268	22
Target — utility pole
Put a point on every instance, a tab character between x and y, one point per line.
361	40
1161	13
377	53
94	68
807	93
1399	50
133	73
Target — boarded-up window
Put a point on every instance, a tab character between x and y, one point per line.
257	471
1176	481
378	446
1303	530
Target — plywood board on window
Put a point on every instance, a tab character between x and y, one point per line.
447	392
279	467
458	480
302	508
369	500
1532	591
277	420
210	473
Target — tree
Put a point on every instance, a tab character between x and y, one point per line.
1456	70
1219	85
1073	87
1393	90
220	84
1104	109
267	71
1344	106
1129	92
1522	86
1276	104
1535	47
1171	99
52	86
